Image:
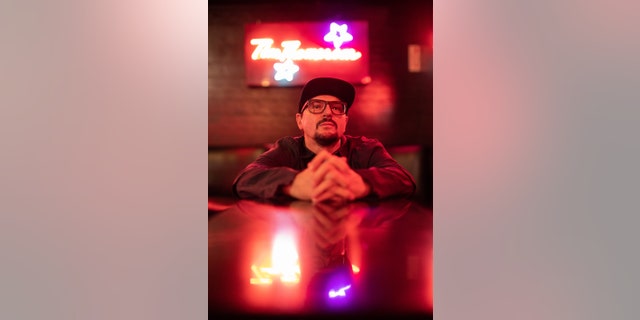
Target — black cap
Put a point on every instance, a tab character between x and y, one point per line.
328	86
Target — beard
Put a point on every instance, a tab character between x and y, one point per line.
326	140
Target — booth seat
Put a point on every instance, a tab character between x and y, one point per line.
224	164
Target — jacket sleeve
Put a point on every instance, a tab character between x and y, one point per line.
385	176
264	178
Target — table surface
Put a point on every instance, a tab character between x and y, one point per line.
302	259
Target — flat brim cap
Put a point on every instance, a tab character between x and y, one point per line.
327	86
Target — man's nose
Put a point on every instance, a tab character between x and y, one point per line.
327	111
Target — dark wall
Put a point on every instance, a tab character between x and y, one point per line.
396	107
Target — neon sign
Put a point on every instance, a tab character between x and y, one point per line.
290	54
291	51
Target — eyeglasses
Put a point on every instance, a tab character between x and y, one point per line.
317	106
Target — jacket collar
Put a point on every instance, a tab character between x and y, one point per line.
307	154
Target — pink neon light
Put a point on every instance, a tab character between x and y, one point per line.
338	35
291	51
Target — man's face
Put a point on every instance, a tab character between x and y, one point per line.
325	128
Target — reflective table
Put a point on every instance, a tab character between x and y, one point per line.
304	260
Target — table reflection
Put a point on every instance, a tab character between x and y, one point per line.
300	258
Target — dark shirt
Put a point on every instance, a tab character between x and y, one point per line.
277	167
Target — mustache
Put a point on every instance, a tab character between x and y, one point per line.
326	120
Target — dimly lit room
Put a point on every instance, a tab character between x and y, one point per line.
363	253
332	142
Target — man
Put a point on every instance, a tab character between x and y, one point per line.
324	164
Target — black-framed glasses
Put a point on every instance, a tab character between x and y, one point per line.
318	106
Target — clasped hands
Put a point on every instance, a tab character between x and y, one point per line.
328	178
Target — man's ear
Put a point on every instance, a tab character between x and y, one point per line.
299	120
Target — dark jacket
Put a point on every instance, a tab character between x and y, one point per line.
277	167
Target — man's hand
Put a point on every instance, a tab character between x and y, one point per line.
305	183
302	185
334	177
328	178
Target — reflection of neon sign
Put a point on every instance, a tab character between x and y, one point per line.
339	293
284	261
283	51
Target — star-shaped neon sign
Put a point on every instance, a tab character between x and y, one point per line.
285	70
338	34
